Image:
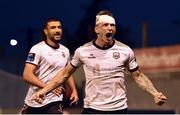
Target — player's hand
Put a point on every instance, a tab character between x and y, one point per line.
38	97
58	91
160	99
74	98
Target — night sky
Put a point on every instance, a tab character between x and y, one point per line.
19	16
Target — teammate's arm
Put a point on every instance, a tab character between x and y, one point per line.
74	95
143	82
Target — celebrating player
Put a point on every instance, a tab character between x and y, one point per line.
105	61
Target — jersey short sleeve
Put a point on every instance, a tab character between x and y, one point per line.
33	56
69	57
132	64
76	62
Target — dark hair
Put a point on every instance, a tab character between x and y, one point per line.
105	12
45	26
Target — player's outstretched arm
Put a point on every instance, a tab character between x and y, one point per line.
143	82
59	78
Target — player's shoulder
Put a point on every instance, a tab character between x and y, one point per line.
120	44
63	47
39	45
123	46
88	44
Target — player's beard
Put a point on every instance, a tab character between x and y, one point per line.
55	38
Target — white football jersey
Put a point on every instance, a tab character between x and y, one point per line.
105	71
48	61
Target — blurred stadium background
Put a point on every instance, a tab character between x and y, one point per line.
151	28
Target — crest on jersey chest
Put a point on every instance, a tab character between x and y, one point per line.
63	54
116	55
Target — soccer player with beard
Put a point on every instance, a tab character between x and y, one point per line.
44	61
105	61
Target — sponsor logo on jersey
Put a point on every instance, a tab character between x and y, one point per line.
91	56
116	55
31	57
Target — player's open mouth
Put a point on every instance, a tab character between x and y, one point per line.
108	35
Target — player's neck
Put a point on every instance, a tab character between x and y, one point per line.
52	44
103	44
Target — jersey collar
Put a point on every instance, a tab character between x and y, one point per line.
54	47
103	48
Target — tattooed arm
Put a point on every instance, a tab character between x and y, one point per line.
143	82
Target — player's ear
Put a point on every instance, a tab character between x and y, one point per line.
45	31
96	29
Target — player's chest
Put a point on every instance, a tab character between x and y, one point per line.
105	57
58	57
